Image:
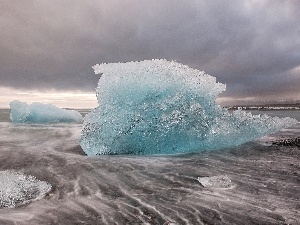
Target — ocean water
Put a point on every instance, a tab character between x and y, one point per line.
264	180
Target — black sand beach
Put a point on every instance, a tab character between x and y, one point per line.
265	182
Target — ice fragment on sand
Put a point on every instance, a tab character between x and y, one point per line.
21	112
162	107
215	181
17	188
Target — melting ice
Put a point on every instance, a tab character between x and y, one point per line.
21	112
216	181
162	107
17	188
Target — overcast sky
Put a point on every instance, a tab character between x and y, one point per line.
50	46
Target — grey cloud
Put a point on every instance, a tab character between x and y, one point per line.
250	45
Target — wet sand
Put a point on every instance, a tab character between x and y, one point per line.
265	181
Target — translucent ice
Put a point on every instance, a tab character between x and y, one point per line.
215	181
17	188
162	107
21	112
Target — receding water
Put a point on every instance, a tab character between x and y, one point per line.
126	189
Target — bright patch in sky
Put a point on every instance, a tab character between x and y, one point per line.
66	99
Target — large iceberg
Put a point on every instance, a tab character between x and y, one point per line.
162	107
21	112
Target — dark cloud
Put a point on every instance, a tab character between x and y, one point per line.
252	45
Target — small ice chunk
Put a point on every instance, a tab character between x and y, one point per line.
21	112
17	188
215	181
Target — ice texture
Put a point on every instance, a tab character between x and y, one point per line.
17	188
21	112
221	181
162	107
